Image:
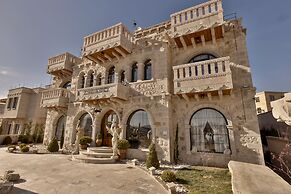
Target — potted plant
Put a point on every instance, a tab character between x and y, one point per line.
84	141
122	146
99	140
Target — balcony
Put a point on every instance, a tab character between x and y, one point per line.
205	76
108	91
198	24
54	98
108	44
62	65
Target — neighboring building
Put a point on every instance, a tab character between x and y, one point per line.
22	107
264	99
184	84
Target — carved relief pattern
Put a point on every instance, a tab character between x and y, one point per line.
149	89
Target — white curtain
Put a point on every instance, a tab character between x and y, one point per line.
218	131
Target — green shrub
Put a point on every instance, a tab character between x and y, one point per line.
22	145
168	176
152	159
53	146
122	144
24	148
23	138
7	140
11	148
85	140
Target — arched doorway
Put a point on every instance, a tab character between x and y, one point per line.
209	131
85	123
60	130
138	130
107	120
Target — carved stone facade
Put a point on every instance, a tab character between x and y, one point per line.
154	80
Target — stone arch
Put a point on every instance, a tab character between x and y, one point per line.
75	122
224	112
133	109
81	79
104	111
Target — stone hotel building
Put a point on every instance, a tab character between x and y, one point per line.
184	84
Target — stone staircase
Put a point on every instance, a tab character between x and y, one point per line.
95	155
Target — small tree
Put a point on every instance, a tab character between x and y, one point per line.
7	140
152	159
53	146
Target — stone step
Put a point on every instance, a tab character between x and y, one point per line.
100	149
96	154
85	159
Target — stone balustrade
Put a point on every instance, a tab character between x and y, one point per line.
209	75
205	14
62	64
55	98
115	41
114	90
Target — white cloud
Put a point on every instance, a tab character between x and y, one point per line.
3	72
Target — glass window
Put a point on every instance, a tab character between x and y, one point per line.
82	81
91	79
216	6
191	14
86	124
223	66
111	75
272	97
209	131
122	76
202	57
197	12
148	70
196	71
98	81
134	73
9	103
60	128
203	10
67	85
257	99
16	128
139	132
209	8
15	101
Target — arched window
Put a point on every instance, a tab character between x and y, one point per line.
98	80
209	131
122	76
60	128
81	80
148	70
138	131
134	73
202	57
86	124
111	75
67	85
91	79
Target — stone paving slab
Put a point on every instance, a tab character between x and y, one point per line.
256	179
56	174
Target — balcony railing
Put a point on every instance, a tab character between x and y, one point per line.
210	75
193	18
62	64
114	90
55	98
113	42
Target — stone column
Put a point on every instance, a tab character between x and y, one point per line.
140	75
128	74
94	133
116	78
85	81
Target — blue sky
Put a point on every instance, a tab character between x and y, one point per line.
32	30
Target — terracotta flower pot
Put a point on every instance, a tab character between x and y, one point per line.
83	146
98	142
122	154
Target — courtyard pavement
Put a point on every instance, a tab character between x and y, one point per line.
56	174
